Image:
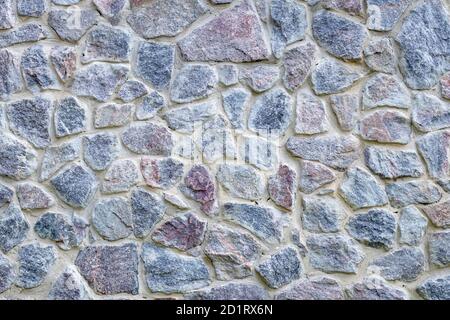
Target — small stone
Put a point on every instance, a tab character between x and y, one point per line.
147	209
230	291
430	113
73	23
434	147
316	288
168	272
110	9
330	76
339	36
131	90
282	186
386	127
112	115
120	176
112	218
392	164
373	288
271	113
149	139
185	119
405	264
231	252
379	55
193	82
439	214
259	152
384	14
175	201
104	43
376	228
234	104
334	253
6	195
100	150
402	194
352	7
70	117
439	248
67	232
297	63
311	115
241	181
35	262
154	63
64	61
30	32
385	91
235	35
10	80
345	108
13	228
33	197
33	8
266	223
69	286
322	214
76	185
412	225
361	190
7	274
7	15
99	80
110	269
445	86
57	156
164	173
338	152
150	106
436	288
260	78
18	161
227	74
182	232
313	176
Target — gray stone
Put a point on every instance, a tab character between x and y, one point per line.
30	119
439	248
175	201
352	7
110	269
150	105
260	78
433	147
13	228
221	1
112	218
193	82
161	173
234	104
7	15
76	185
35	262
120	176
147	209
154	63
282	186
31	8
131	90
64	61
385	127
100	150
70	117
436	288
32	196
110	9
148	138
313	176
384	14
168	272
56	157
392	164
235	35
10	80
18	161
316	288
334	253
67	231
69	286
345	108
445	86
241	181
104	43
311	115
6	195
322	214
383	90
373	288
231	291
402	194
361	190
412	226
439	214
379	55
259	152
30	32
65	2
430	113
73	23
7	274
297	63
217	142
112	115
185	119
228	74
376	228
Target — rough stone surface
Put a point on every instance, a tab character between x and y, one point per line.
64	61
6	195
147	209
36	70
259	152
436	288
228	74
72	24
345	108
231	291
311	115
384	14
429	113
445	86
100	150
32	196
7	273
439	214
7	16
35	263
70	117
402	194
30	32
120	176
164	173
56	157
193	82
10	81
385	91
185	119
110	9
352	7
313	176
241	181
260	78
439	247
282	186
316	288
104	43
112	115
13	228
412	226
373	288
69	286
150	105
131	90
112	218
379	55
17	160
148	138
322	214
386	127
234	105
297	63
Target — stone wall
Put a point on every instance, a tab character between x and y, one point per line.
224	149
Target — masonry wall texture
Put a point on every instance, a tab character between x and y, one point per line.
227	149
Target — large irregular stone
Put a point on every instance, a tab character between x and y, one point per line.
13	228
405	264
313	176
241	181
311	115
70	117
110	269
231	252
100	150
7	15
424	44
361	190
282	186
67	231
105	43
131	90
386	127
433	147
30	119
56	157
6	195
18	161
379	55
259	152
147	210
10	80
76	185
112	115
31	8
120	176
384	14
402	194
352	7
64	61
334	253
297	63
69	286
187	118
260	78
193	82
383	90
429	113
148	138
36	70
322	214
168	272
7	273
439	214
231	291
73	23
412	226
150	105
32	196
234	104
110	9
316	288
235	35
345	108
439	248
373	288
112	218
436	288
161	173
30	32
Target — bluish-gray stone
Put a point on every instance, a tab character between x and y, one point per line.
384	14
322	214
70	117
30	32
69	286
231	291
193	82
234	104
56	157
73	23
150	105
17	160
412	226
436	288
402	194
241	181
10	80
148	138
439	249
429	113
373	288
147	210
13	228
100	150
7	273
6	194
112	218
35	262
105	43
31	8
131	90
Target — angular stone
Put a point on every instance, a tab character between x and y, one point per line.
282	186
235	35
112	115
110	9
297	63
405	264
56	157
241	181
313	176
379	55
6	195
73	23
112	218
32	196
131	90
234	104
265	222
193	82
31	8
69	286
373	288
259	78
168	272
64	61
147	209
13	228
439	248
338	152
258	152
75	185
445	86
7	274
7	15
150	106
182	232
311	115
384	14
30	32
385	91
361	190
120	176
334	253
345	108
392	164
175	201
316	288
262	8
162	173
434	147
104	43
18	161
154	63
232	252
99	80
322	214
230	291
35	262
228	74
402	194
10	80
149	139
412	226
436	288
110	269
70	117
430	113
386	127
352	7
30	119
100	150
439	214
217	142
67	231
186	118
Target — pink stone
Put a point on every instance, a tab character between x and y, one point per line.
282	187
445	86
439	214
200	186
386	127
